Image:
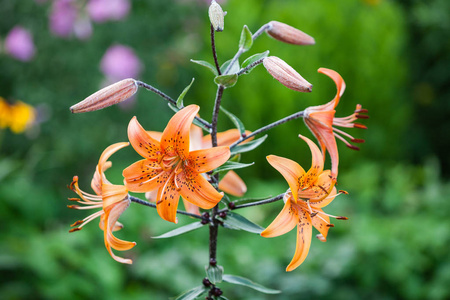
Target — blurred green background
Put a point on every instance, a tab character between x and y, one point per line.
394	57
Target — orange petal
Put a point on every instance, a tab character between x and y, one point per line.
319	189
338	80
103	165
205	160
232	184
156	135
151	196
226	138
325	201
167	201
320	222
175	138
316	163
111	217
304	233
191	208
196	138
142	142
325	136
112	194
290	170
144	176
197	190
283	223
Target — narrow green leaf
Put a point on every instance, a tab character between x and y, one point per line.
238	123
252	59
192	294
226	80
234	68
249	200
246	41
231	165
249	146
235	221
248	283
181	97
207	65
214	273
180	230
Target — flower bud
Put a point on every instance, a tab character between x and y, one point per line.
289	34
285	74
110	95
216	16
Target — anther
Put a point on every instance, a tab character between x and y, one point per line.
352	147
341	218
75	229
358	141
362	111
343	192
358	116
73	206
361	126
74	199
330	225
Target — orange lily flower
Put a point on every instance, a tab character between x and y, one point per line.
308	192
171	168
231	183
321	121
113	201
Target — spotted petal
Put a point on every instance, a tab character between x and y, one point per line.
167	201
197	190
232	184
304	233
144	176
325	201
290	170
175	138
142	142
205	160
320	222
316	163
284	222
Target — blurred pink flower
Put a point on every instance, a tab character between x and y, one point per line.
104	10
83	28
63	17
19	44
120	62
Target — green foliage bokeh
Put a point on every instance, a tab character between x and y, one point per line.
393	247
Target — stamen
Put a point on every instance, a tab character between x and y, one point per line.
353	147
358	116
330	225
358	141
75	229
361	126
362	111
79	222
341	218
343	192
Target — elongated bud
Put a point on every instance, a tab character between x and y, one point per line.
289	34
285	74
216	16
110	95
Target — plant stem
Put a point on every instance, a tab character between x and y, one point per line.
274	199
214	52
149	204
169	99
241	50
250	66
215	116
267	127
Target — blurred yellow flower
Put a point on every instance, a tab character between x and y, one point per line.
18	116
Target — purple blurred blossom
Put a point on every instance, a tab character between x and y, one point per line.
120	62
104	10
83	28
19	44
63	17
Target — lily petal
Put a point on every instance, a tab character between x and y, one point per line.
142	142
320	189
191	208
205	160
198	190
175	138
232	184
290	170
324	134
144	175
338	80
167	201
226	138
304	233
325	201
113	194
316	163
284	222
320	222
111	216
